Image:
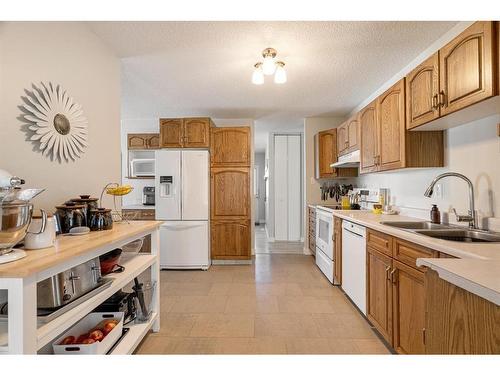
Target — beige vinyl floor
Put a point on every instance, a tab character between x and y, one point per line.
282	304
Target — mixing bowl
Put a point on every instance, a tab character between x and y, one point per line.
15	218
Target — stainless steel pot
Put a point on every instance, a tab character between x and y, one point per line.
15	218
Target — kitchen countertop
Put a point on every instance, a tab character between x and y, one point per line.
68	247
477	270
138	207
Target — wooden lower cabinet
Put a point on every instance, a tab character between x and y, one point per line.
457	321
408	300
379	292
230	239
337	243
312	230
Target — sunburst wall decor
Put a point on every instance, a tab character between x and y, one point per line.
58	123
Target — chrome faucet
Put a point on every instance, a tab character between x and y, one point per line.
471	217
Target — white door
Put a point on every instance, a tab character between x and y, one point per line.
195	189
287	187
168	184
294	182
184	244
280	188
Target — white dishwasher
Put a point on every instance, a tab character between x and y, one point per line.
354	263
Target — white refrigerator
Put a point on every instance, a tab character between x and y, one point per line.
182	201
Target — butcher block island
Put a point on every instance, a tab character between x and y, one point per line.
23	332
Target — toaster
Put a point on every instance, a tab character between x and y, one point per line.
60	289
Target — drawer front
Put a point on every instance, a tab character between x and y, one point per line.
407	252
379	241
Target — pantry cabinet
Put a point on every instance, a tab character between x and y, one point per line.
230	146
422	93
230	193
230	199
230	239
325	144
467	66
185	132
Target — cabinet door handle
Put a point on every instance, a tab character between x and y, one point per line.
435	102
392	276
442	97
387	269
423	335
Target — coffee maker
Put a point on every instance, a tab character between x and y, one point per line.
148	196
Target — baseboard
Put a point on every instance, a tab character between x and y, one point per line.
221	262
307	251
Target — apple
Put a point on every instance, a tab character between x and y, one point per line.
108	327
96	335
68	340
88	341
81	338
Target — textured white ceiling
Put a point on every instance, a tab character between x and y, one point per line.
204	68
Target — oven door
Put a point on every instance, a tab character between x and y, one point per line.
324	232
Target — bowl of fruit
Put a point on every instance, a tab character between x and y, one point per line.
94	334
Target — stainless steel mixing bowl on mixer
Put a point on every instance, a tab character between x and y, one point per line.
15	218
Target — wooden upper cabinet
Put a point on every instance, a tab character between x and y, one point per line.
391	119
187	133
408	293
368	123
326	153
230	193
342	139
353	134
467	68
136	141
422	93
171	133
197	132
379	292
230	146
143	141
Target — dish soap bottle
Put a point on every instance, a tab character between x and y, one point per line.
435	215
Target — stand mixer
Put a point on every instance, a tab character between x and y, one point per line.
16	212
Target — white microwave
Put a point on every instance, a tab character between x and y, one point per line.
142	168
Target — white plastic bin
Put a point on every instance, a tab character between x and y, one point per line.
84	326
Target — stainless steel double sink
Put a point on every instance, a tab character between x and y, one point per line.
445	232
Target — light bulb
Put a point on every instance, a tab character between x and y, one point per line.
269	65
280	74
258	75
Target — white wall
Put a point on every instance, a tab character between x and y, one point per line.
473	150
64	53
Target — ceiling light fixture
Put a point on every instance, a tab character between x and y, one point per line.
280	74
269	67
258	74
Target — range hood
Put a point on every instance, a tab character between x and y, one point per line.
350	160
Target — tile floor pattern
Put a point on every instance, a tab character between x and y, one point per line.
263	246
281	304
